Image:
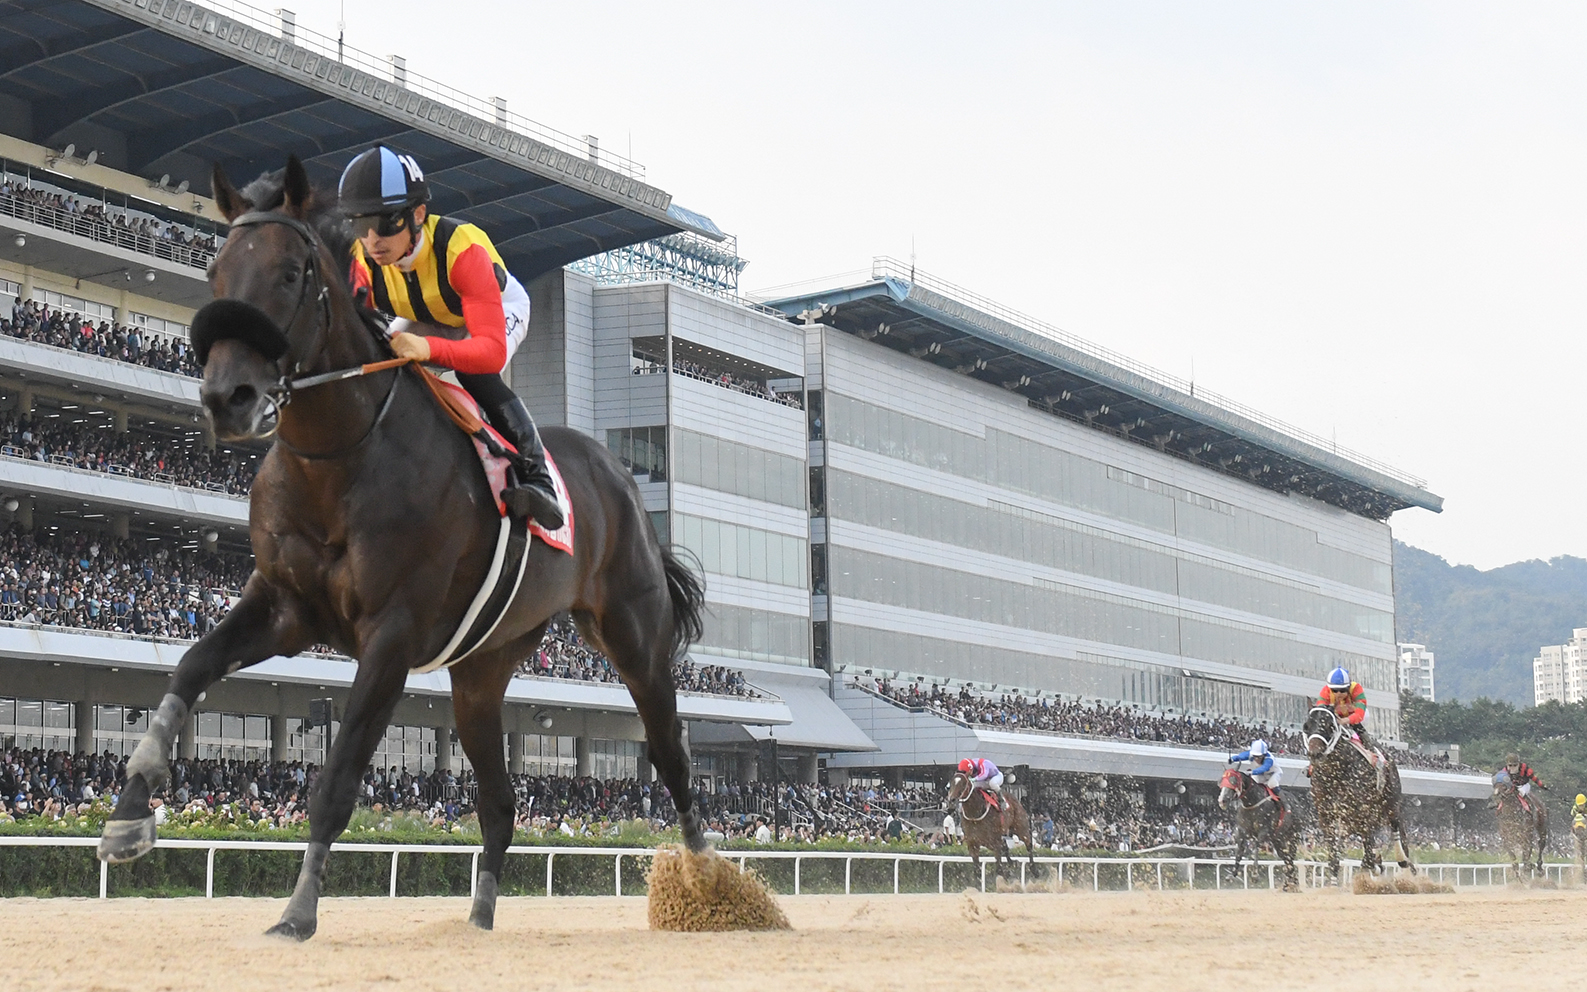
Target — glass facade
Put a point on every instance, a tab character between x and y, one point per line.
744	552
1183	574
756	635
730	467
642	449
548	754
46	723
615	759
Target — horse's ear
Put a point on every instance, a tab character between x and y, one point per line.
230	202
295	186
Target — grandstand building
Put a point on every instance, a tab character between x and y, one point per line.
887	482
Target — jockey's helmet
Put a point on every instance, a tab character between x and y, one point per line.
1512	760
965	765
1258	748
1339	680
383	187
1581	800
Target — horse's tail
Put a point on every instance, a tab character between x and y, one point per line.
687	592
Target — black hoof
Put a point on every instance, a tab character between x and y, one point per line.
294	931
485	919
126	840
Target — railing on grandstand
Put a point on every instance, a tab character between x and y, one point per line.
106	233
883	266
754	389
383	68
92	356
1097	874
158	478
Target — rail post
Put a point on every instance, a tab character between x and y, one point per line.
473	875
209	874
1096	876
983	876
617	874
394	855
1270	885
104	879
1129	877
797	859
549	857
895	875
848	872
1021	878
939	876
1159	876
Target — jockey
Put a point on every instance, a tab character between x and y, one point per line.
1264	769
1579	811
1348	700
1521	774
984	775
422	268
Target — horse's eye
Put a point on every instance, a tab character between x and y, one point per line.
292	276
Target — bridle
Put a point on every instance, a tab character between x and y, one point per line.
1242	777
1329	743
969	791
279	396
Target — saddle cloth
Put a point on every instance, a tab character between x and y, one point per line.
496	463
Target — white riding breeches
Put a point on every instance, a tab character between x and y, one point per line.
1271	779
995	783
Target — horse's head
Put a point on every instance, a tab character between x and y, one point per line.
1322	731
1231	786
273	283
958	788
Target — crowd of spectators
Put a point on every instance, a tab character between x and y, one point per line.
1099	719
42	324
99	583
724	379
55	784
85	447
564	654
101	221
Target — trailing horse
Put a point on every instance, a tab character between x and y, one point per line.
1260	819
1349	795
986	826
1523	820
373	531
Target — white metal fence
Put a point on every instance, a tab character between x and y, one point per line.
1095	874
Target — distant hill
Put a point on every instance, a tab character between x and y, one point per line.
1485	627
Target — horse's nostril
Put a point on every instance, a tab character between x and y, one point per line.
243	397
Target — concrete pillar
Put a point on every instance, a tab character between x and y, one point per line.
24	516
187	738
647	772
279	735
807	769
120	525
123	312
443	749
581	756
27	283
514	753
121	420
25	401
85	727
748	766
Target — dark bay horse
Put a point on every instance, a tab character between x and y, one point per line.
1346	793
1259	819
1523	821
373	527
984	826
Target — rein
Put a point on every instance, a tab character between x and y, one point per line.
966	816
1329	743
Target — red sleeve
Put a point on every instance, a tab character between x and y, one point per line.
1359	716
359	276
473	275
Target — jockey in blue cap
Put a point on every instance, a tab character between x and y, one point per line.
1264	769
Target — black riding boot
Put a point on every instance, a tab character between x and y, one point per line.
532	495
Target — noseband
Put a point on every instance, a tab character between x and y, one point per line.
1331	741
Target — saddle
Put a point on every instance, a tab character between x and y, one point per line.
1376	758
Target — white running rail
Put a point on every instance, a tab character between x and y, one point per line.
1075	872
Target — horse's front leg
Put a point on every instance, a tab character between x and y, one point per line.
260	626
376	689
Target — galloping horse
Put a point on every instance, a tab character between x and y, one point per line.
373	529
1345	789
1259	818
984	826
1522	819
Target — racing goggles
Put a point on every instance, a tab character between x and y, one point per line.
383	225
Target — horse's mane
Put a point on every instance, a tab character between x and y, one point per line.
268	192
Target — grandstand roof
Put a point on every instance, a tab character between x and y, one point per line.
165	88
908	311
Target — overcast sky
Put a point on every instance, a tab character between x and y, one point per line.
1366	219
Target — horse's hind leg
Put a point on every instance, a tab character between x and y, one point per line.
634	637
477	691
375	691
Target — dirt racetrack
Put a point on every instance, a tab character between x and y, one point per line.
1475	939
